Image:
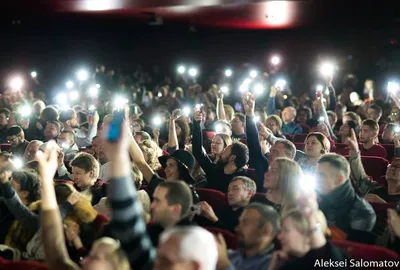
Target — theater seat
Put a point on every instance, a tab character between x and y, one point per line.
367	253
5	147
299	145
288	137
306	128
381	208
375	167
215	198
301	137
230	238
21	265
259	194
390	151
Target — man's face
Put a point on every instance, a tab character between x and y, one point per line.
249	232
226	154
14	140
393	171
237	125
30	152
326	178
74	121
373	114
302	117
171	170
238	194
64	139
387	135
288	115
168	256
135	127
3	119
395	115
277	150
161	211
51	131
367	134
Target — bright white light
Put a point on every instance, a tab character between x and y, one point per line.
393	86
16	83
17	163
256	118
258	89
181	69
228	72
69	84
244	88
280	84
224	89
157	121
218	128
98	5
198	106
93	91
159	94
275	60
327	69
98	86
61	98
25	110
186	111
82	75
74	95
307	182
92	108
320	88
321	119
33	74
253	73
64	106
247	81
397	129
65	145
354	97
120	102
193	72
279	13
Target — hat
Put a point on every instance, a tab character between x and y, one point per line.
184	159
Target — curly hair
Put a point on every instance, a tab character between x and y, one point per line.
30	182
151	151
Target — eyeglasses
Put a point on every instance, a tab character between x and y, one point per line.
12	140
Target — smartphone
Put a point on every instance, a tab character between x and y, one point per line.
115	128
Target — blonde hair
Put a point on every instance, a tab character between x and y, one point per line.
288	185
229	112
151	151
301	222
116	257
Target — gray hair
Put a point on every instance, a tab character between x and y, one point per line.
247	182
290	149
339	162
268	215
197	244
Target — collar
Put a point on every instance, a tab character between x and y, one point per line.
338	197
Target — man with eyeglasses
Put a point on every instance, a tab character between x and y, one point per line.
16	137
66	140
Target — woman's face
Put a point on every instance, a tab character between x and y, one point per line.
135	127
271	176
344	130
171	170
217	145
272	125
387	135
313	147
292	241
98	258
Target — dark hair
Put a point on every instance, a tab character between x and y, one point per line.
70	133
30	182
391	126
58	124
82	116
49	114
185	131
178	193
376	108
241	117
14	131
268	215
62	192
353	125
66	115
5	111
371	123
306	110
241	151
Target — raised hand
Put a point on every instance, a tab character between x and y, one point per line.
198	115
48	161
396	140
273	91
248	101
352	142
176	114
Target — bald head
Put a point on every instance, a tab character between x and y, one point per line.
289	114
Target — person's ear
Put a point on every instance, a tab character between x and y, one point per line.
91	174
177	209
232	158
341	179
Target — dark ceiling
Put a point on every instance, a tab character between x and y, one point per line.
242	14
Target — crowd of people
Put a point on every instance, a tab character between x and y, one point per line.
201	177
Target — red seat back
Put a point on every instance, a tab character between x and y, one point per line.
230	238
216	199
381	208
299	145
301	137
375	167
5	147
288	136
21	265
259	194
359	251
306	128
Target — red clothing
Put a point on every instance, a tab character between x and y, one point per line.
375	151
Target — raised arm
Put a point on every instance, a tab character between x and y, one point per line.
271	105
50	220
172	137
197	144
220	106
85	139
137	157
128	225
